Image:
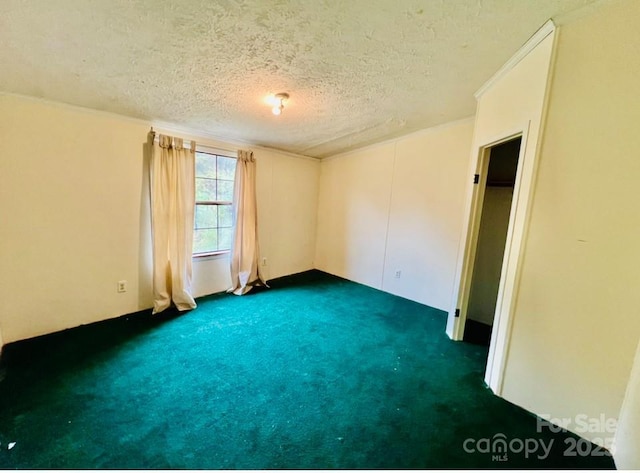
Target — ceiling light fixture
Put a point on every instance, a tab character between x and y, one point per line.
278	100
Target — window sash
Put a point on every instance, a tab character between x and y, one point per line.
218	235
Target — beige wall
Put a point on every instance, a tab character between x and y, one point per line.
393	207
353	212
488	263
75	218
287	208
578	294
627	439
512	104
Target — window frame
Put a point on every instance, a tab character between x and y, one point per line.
216	153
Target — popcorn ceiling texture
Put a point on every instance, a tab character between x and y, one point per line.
358	71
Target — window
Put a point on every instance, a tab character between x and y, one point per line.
213	230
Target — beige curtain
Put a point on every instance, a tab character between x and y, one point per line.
245	253
172	176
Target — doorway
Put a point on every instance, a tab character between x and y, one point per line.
497	200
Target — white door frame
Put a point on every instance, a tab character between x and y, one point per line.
505	303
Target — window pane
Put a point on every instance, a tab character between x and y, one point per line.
214	183
206	189
205	241
224	238
226	168
225	215
225	190
206	216
205	165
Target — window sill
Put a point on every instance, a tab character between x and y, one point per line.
212	255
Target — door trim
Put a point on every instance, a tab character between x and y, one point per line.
505	303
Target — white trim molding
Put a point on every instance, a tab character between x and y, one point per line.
544	31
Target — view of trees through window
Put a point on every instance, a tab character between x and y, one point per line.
213	230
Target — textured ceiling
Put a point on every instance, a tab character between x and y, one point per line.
358	71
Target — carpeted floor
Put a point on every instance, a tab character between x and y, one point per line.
316	372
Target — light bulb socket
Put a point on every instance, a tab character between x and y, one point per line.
279	100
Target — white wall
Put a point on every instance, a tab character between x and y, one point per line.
75	218
396	206
578	294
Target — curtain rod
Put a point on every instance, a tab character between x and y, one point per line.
211	147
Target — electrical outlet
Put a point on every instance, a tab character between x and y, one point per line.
398	274
122	286
264	261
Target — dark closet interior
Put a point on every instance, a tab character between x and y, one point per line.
492	235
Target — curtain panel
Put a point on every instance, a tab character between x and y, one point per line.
172	175
245	252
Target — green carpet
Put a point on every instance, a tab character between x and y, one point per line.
316	372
